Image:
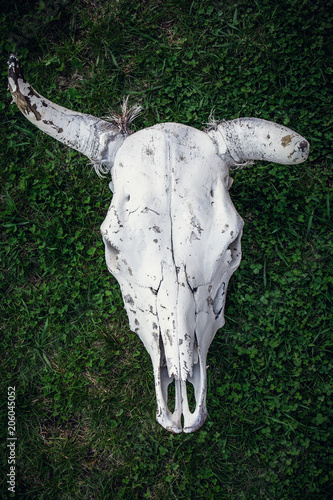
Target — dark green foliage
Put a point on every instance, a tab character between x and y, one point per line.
85	402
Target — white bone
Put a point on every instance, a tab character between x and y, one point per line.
172	235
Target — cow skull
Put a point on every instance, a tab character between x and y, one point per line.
172	235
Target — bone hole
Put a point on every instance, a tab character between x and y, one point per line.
195	350
111	253
191	396
171	396
163	362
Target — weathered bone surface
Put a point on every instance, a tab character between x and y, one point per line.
172	235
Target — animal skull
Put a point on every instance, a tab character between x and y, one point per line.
172	235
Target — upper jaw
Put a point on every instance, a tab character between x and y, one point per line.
172	421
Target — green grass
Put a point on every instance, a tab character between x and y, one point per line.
85	402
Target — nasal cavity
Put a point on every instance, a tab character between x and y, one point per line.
190	393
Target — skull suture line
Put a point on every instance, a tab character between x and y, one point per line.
172	235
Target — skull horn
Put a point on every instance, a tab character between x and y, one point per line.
97	139
256	139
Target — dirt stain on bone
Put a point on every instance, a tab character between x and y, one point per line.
286	140
193	236
128	299
49	122
169	337
24	104
196	224
33	92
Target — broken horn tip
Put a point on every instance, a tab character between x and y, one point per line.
303	145
14	70
12	58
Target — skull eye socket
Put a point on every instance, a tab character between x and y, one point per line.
111	254
234	256
219	301
234	250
